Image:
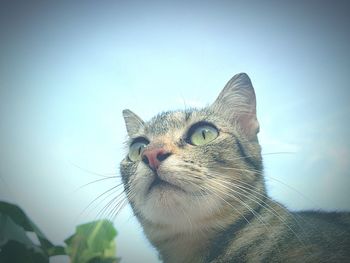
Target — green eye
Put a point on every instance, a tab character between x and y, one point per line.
203	134
135	151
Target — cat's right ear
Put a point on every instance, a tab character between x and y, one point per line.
133	122
238	104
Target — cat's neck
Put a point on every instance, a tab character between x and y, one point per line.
206	239
187	248
184	247
191	243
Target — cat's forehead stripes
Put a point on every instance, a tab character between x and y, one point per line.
167	121
175	122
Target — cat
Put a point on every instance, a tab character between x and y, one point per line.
194	179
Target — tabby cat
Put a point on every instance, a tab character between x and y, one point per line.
194	179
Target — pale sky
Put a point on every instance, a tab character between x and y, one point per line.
68	70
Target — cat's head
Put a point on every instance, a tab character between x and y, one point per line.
184	165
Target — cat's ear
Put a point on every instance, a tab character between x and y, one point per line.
133	122
237	103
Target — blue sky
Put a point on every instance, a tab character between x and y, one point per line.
68	70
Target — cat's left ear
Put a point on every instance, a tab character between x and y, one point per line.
133	122
237	103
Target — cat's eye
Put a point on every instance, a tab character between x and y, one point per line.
136	149
202	134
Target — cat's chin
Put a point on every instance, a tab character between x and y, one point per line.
167	205
162	185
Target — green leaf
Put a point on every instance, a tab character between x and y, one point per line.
92	241
16	214
16	252
15	224
15	246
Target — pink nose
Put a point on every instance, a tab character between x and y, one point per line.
153	157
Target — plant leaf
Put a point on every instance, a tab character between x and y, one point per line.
92	241
13	252
19	218
15	246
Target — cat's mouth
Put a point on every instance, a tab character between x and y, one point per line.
159	183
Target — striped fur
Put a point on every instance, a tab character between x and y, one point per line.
214	206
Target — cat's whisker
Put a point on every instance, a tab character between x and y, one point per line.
274	179
263	154
102	212
293	189
95	173
263	195
267	225
262	203
213	191
117	199
117	208
95	181
233	195
250	191
211	210
111	190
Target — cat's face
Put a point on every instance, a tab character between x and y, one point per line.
181	166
